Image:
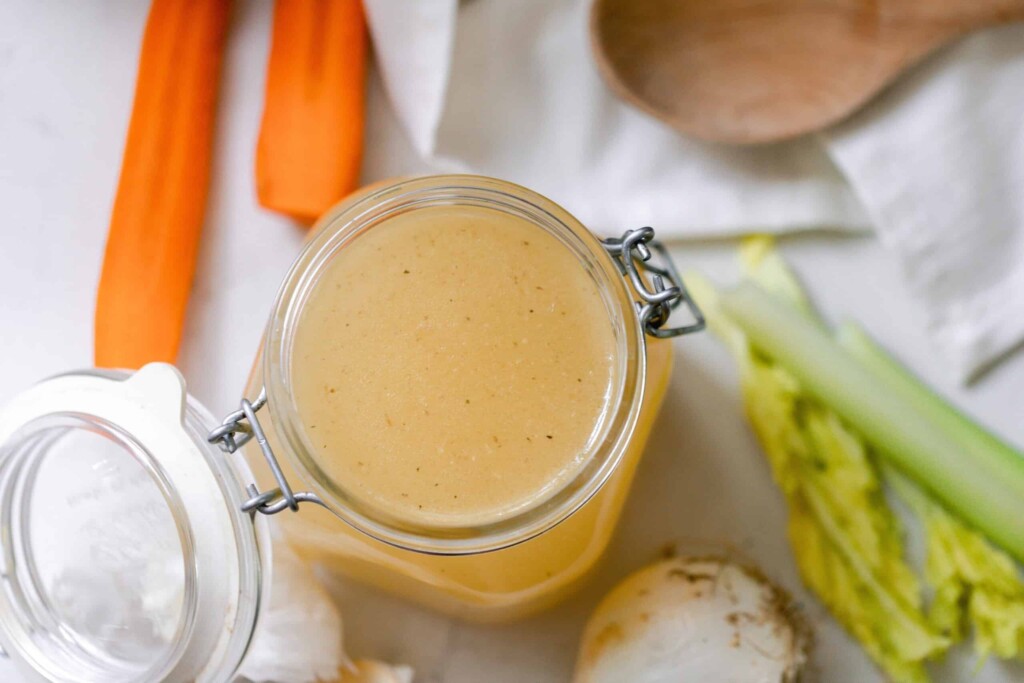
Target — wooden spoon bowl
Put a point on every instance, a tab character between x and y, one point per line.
752	71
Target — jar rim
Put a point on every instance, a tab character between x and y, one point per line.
350	219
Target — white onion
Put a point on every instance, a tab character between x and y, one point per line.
705	620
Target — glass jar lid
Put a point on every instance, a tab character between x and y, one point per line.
126	555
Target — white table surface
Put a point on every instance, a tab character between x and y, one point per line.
66	78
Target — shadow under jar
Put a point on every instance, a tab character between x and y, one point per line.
463	377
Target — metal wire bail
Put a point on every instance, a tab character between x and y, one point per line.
235	431
632	253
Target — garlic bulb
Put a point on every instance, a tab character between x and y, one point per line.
299	639
299	635
705	620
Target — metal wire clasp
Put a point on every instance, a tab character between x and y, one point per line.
235	431
632	253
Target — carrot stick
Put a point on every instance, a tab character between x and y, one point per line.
161	195
311	137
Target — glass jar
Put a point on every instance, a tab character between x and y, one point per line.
513	561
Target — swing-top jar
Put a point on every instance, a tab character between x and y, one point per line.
461	377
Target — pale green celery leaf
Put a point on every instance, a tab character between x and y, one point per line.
850	481
847	542
975	583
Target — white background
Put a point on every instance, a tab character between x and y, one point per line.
66	78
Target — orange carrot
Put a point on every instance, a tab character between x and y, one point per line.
161	195
311	138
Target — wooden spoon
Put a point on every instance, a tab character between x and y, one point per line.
749	71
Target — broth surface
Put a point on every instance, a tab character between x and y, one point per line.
453	364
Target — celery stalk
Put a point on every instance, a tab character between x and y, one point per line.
900	380
983	484
815	403
846	541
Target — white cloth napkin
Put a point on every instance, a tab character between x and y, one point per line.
510	90
938	161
